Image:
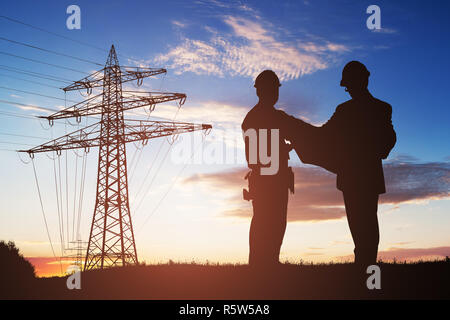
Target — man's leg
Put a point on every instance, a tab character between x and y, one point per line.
256	247
361	208
267	228
278	226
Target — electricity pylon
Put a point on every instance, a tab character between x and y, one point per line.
111	239
78	256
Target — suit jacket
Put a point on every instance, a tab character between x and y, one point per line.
351	144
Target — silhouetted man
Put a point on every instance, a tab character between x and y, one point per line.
352	144
270	178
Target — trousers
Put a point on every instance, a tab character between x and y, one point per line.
268	226
361	207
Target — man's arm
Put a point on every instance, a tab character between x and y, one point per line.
388	135
311	143
295	128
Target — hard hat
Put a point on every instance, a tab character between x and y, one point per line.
354	71
267	78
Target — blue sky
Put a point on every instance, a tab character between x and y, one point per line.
407	60
213	50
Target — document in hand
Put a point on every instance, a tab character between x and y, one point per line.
313	145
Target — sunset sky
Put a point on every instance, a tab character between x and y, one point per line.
190	207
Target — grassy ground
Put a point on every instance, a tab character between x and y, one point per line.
426	280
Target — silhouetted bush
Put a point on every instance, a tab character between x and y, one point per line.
16	273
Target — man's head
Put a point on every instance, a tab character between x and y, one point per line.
355	78
267	87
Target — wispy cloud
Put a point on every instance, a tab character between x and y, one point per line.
248	46
317	199
178	24
195	56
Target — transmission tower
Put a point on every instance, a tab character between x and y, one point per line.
111	238
78	255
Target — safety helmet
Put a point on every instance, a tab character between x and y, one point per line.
354	71
267	78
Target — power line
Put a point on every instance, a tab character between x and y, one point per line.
150	168
43	212
20	115
30	81
170	187
17	115
35	74
64	37
49	51
20	135
52	33
37	94
80	198
41	62
61	237
153	179
29	106
16	143
30	117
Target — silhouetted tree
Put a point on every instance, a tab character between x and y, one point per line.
16	273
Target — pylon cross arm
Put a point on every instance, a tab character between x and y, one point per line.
96	79
129	101
135	130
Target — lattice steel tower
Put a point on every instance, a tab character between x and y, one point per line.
112	236
111	239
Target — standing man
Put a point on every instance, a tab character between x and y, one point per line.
270	177
358	136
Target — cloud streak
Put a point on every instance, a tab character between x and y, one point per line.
411	254
316	197
407	254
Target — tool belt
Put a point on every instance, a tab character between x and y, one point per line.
255	179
